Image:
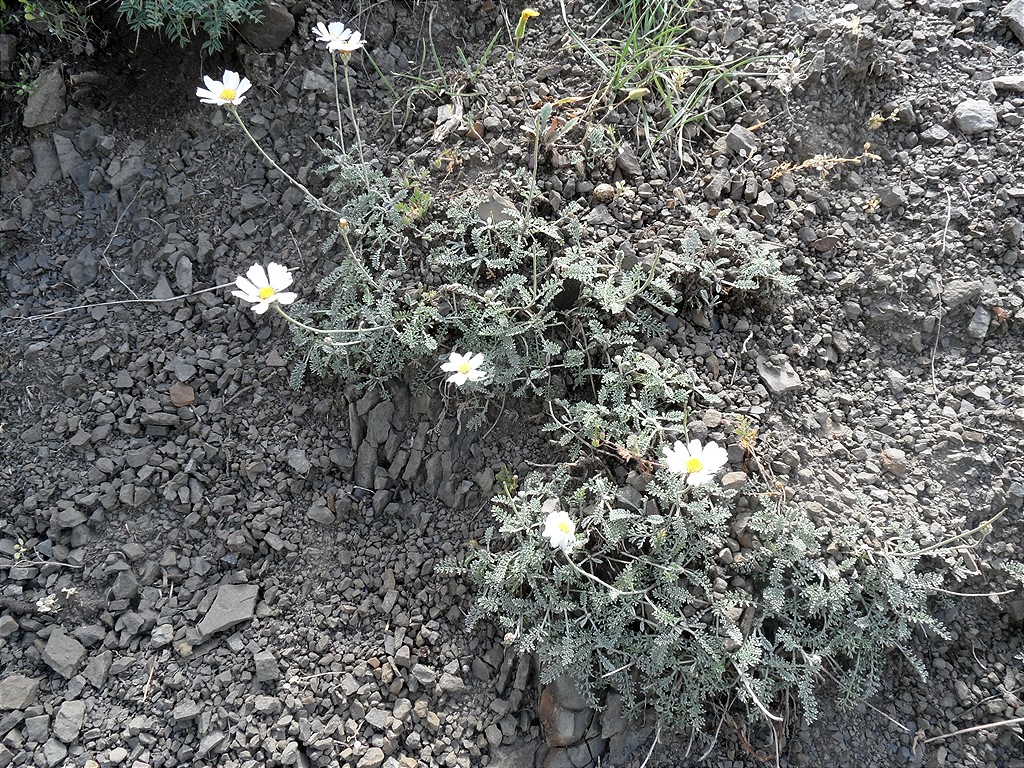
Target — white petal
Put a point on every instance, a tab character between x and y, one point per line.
246	285
279	276
449	367
697	478
231	80
213	85
694	448
476	375
262	307
257	276
458	379
208	97
476	360
715	456
286	297
243	86
244	296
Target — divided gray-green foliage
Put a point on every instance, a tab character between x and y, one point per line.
647	603
544	302
182	20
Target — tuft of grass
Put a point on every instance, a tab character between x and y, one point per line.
654	58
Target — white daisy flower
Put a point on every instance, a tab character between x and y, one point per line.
464	368
230	89
560	530
339	37
263	288
699	463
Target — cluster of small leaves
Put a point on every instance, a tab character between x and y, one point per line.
646	605
635	400
490	275
181	20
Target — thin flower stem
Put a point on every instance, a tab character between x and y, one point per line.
355	126
318	203
311	329
358	262
337	102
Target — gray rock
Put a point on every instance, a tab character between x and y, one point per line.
82	269
18	692
1013	13
959	292
186	710
372	758
47	166
424	675
975	116
892	196
298	461
162	290
234	604
68	722
97	669
778	375
8	54
980	322
37	728
1011	83
450	683
47	101
628	162
210	743
734	480
266	667
162	635
378	718
378	423
275	25
741	141
314	81
72	166
366	465
319	512
54	753
934	134
183	274
63	654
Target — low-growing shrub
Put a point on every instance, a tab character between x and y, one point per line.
182	20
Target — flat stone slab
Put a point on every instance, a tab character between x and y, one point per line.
63	654
234	604
18	692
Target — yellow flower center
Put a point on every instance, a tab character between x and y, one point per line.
464	368
266	292
565	527
693	464
228	94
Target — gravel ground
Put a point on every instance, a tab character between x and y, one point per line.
242	574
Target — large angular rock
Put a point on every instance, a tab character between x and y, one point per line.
274	27
48	99
18	692
1013	13
68	722
234	604
778	375
975	116
63	654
